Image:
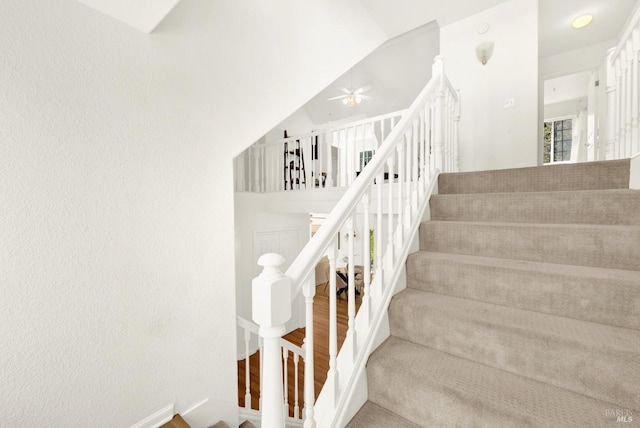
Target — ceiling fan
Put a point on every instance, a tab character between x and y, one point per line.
352	97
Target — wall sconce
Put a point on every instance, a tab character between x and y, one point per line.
484	51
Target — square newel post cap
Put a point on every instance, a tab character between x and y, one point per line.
271	293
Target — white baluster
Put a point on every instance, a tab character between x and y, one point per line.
366	257
437	129
619	104
406	219
627	101
350	343
414	163
378	232
296	405
333	382
329	144
247	370
352	154
401	179
635	134
271	308
261	348
285	365
611	105
342	158
456	135
309	290
445	132
423	158
389	254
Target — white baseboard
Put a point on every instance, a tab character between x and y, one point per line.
208	412
160	417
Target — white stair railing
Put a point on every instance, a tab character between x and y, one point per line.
325	158
623	84
288	351
397	183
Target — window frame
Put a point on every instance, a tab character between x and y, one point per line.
553	120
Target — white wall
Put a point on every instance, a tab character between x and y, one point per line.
116	181
574	61
491	136
566	108
252	216
298	123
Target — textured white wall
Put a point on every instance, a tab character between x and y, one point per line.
492	137
116	204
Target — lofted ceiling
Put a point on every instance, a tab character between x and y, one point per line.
406	58
412	28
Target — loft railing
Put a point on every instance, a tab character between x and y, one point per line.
329	157
398	182
623	79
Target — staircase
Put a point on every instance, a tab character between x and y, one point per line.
522	306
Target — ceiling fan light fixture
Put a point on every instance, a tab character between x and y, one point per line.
582	21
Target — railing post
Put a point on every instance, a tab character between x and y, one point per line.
611	105
271	308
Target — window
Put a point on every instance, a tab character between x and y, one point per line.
558	137
365	157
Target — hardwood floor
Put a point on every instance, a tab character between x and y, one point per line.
321	351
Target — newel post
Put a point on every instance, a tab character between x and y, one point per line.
271	308
611	105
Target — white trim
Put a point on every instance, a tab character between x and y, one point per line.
195	407
160	417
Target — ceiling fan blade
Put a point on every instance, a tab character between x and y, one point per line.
337	98
364	97
363	89
345	90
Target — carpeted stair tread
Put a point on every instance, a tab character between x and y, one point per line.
613	174
584	245
612	207
432	388
372	415
592	359
608	296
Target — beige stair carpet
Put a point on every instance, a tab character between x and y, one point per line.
522	306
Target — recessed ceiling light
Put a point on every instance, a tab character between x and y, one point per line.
581	21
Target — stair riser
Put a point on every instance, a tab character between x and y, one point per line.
605	374
612	208
581	176
606	300
615	247
438	390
